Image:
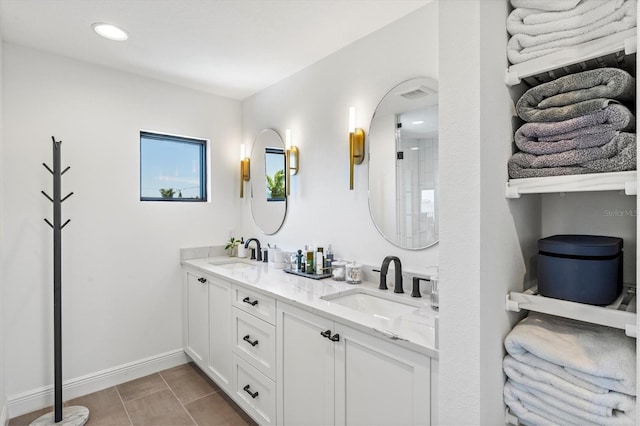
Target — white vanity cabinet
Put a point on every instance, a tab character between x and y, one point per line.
329	373
254	354
196	321
220	342
207	328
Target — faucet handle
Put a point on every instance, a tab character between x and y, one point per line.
415	291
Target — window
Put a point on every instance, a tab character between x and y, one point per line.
172	168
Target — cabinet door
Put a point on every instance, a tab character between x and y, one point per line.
379	382
196	340
305	368
220	342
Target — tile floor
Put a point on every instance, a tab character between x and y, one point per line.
182	395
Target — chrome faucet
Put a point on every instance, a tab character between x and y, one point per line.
383	274
253	251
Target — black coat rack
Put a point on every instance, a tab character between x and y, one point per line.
76	416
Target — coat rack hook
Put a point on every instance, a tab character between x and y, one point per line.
69	195
49	223
65	170
46	195
65	224
47	167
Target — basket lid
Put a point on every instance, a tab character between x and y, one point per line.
581	245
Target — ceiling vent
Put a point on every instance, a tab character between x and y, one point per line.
418	92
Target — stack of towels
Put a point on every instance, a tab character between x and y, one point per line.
565	372
576	124
541	27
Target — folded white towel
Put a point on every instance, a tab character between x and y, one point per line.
590	353
524	47
587	14
564	395
548	5
532	410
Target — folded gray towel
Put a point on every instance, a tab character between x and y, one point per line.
575	94
586	131
616	156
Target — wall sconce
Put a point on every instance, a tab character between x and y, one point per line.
291	159
356	144
244	169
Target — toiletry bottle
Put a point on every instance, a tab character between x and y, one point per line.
328	258
299	261
309	267
320	261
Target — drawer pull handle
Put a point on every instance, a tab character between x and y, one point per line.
248	390
248	340
326	334
202	280
335	338
247	300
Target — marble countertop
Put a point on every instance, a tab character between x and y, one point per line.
416	330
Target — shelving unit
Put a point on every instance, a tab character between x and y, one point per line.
616	181
619	51
620	314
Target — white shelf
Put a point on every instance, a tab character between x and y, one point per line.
608	51
615	181
620	314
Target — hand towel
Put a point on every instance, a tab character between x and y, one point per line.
589	13
520	164
531	410
547	5
576	94
566	396
590	130
597	354
524	47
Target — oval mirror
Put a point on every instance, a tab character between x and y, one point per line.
268	200
403	164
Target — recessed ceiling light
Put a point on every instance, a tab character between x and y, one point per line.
110	32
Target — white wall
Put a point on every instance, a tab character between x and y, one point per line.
487	241
121	270
4	415
314	105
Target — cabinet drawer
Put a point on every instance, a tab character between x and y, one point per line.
264	307
255	341
254	392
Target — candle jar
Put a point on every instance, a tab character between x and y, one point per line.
338	270
354	273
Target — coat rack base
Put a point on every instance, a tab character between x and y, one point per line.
71	416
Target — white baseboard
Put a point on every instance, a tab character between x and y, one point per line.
4	418
84	385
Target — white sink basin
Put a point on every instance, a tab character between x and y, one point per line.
376	303
233	265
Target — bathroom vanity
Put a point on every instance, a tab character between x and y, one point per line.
292	350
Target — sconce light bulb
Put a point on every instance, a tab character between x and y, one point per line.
287	138
352	119
242	152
